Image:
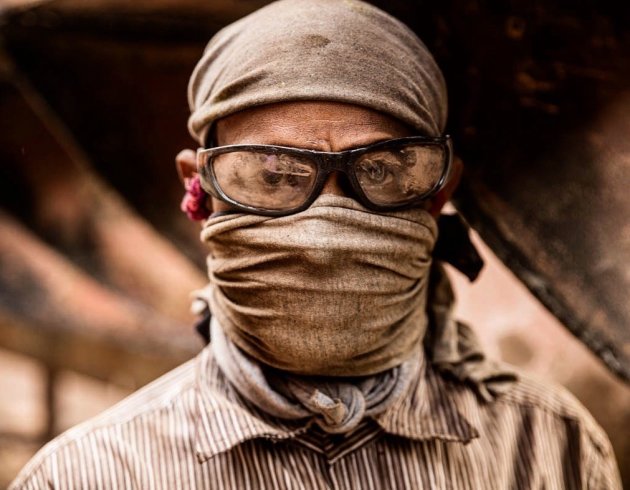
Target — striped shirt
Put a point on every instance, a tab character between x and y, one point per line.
191	430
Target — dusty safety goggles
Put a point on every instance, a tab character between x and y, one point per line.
275	180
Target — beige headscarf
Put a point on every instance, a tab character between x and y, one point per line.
328	50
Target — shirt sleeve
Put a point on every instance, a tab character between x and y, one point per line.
31	480
601	468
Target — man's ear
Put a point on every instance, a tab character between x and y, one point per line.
186	164
196	203
442	197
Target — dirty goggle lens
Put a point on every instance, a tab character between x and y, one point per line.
264	180
397	177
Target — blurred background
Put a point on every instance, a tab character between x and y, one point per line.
97	262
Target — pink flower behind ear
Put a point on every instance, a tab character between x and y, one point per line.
195	199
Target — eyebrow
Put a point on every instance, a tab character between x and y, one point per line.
360	143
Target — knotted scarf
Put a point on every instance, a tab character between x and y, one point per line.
337	405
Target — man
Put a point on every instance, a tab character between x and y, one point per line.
335	361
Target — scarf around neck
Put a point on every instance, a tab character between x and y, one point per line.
338	405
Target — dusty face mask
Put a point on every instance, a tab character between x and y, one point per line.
335	290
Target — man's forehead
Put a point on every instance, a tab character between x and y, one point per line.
313	124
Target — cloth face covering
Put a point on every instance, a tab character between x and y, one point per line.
335	290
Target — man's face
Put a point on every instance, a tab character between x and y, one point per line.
323	126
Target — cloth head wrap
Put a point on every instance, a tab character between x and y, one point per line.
329	50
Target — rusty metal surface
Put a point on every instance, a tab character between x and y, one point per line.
542	121
540	104
85	283
49	184
52	310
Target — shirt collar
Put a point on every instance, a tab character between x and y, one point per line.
433	408
224	419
